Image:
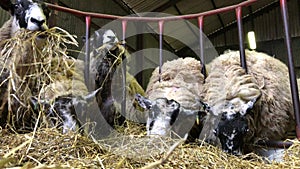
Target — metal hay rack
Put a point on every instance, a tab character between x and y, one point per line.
200	16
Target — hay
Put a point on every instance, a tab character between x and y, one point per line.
51	149
29	62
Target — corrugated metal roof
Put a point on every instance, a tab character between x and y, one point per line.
263	18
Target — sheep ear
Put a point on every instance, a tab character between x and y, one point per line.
143	102
204	106
36	103
6	5
216	132
248	106
92	94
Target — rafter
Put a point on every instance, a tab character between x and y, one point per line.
232	25
245	19
166	5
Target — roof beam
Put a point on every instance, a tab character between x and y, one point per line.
219	16
166	5
187	23
232	25
93	24
220	19
126	7
245	19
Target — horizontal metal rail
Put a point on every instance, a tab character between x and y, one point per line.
149	19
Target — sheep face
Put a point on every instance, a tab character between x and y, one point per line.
233	126
166	117
104	37
162	114
231	132
61	111
28	14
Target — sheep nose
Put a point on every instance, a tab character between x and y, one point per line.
112	38
38	22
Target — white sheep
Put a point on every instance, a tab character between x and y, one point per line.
173	102
246	108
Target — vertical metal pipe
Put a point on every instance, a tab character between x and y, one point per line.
293	81
140	57
123	104
87	52
238	12
201	46
161	27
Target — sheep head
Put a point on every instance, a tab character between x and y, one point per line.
27	14
231	132
232	128
165	115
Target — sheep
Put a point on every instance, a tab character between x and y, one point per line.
180	89
107	54
29	15
65	96
56	96
247	108
25	14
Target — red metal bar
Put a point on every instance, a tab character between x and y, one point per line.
87	52
201	46
150	19
123	105
238	12
161	29
293	81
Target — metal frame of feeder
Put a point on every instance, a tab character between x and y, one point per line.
200	16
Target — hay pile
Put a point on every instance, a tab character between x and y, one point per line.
30	62
47	148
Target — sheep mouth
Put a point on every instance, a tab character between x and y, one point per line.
42	36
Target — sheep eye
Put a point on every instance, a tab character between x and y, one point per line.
17	6
173	105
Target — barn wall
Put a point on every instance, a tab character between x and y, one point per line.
4	16
269	34
267	26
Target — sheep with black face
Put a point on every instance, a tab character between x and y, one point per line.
26	15
247	107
